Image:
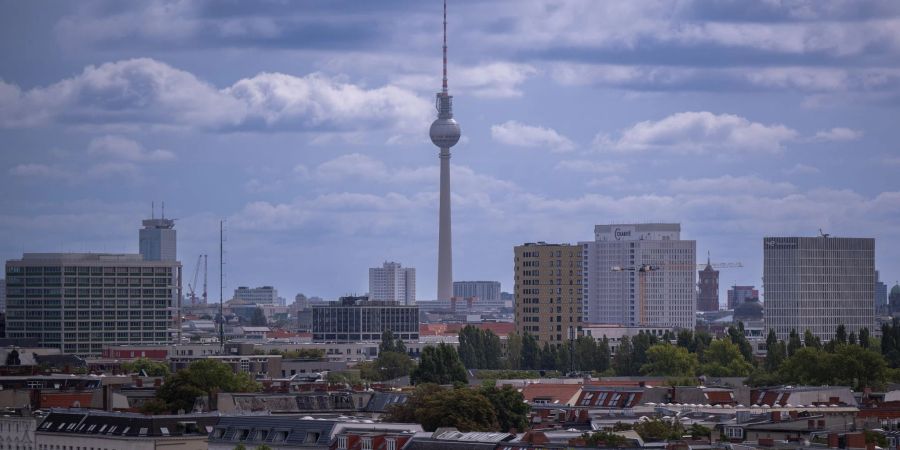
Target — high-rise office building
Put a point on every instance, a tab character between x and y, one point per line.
708	293
737	295
393	283
640	275
2	295
355	319
818	283
83	302
548	291
263	295
485	291
157	240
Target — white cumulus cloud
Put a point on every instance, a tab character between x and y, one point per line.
518	134
837	134
118	147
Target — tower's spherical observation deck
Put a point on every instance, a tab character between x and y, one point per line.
444	132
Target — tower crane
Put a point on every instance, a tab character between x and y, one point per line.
192	286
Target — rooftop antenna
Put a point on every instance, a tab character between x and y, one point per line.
163	210
444	85
824	235
152	210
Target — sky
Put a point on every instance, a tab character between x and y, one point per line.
304	125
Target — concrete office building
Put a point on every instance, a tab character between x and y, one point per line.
818	283
263	295
356	319
83	302
485	291
393	283
157	240
708	295
655	280
737	295
548	291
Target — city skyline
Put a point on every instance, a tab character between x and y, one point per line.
305	127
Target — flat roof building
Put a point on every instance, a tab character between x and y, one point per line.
357	319
818	283
157	240
548	291
83	302
393	283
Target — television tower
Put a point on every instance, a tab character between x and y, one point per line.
445	134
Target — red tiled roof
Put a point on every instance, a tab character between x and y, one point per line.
66	400
719	397
438	329
554	393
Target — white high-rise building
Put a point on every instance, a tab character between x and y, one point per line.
640	275
818	283
392	282
157	240
263	295
485	291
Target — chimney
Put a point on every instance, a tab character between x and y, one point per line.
775	416
833	440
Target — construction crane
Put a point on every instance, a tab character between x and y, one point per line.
192	286
642	271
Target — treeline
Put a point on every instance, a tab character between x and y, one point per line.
848	359
487	408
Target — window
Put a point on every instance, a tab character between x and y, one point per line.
342	443
366	443
164	431
391	444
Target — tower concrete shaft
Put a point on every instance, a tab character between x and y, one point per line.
445	244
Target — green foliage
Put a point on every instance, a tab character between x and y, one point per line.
433	407
794	343
440	364
847	365
669	360
151	367
507	374
864	339
513	360
349	377
391	344
874	437
300	353
202	378
262	447
724	359
391	365
604	438
479	349
531	353
811	340
509	405
736	334
623	362
698	431
240	447
775	351
659	430
591	355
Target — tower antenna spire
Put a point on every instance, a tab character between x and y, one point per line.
444	86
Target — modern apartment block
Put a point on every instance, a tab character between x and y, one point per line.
263	295
640	275
548	291
393	283
83	302
356	319
737	295
486	291
818	283
708	289
156	240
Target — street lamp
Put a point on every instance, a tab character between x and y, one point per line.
642	271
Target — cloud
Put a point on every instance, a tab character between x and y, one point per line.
699	133
148	92
837	134
587	166
118	147
33	171
747	185
520	135
800	168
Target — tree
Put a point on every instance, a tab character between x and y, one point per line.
669	360
623	363
440	365
840	334
851	339
258	319
724	359
774	355
202	378
864	338
659	430
685	340
391	365
811	340
510	407
698	431
531	353
433	407
736	334
794	342
150	367
604	438
548	357
513	359
479	349
590	354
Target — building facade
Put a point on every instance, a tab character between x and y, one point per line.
640	275
737	295
157	240
85	428
548	285
393	283
356	319
83	302
263	295
485	291
818	283
881	293
708	289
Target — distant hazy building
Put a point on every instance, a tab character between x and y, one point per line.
263	295
83	302
818	283
894	297
355	319
663	294
393	283
487	291
708	294
157	240
2	296
737	295
881	297
548	291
